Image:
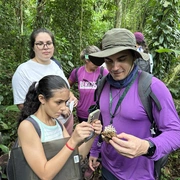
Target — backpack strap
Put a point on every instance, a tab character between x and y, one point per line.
76	75
101	72
144	90
37	128
59	124
35	124
146	94
57	62
100	84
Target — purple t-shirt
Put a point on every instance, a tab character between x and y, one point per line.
131	118
86	87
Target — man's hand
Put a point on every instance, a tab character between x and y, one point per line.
129	145
93	163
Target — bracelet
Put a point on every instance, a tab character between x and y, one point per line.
70	148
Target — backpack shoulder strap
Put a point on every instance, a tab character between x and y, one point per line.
146	94
57	62
100	75
100	85
101	71
76	75
37	128
35	124
59	124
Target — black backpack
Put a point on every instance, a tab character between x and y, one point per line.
145	65
147	96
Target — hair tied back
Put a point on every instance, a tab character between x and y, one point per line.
36	84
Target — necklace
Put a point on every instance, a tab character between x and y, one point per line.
112	114
117	94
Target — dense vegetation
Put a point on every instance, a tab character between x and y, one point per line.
77	24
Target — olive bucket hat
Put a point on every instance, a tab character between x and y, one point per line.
114	41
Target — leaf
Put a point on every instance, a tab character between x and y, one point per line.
12	108
4	125
1	99
166	4
5	149
164	50
161	39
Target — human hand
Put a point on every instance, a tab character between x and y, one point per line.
66	112
97	129
97	126
129	145
73	98
93	163
81	132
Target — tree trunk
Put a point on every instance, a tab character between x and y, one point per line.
40	18
118	13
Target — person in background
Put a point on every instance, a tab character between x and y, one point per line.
86	76
130	154
45	101
140	42
143	47
42	45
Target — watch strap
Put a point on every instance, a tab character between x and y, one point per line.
151	150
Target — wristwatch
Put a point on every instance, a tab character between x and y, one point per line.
151	149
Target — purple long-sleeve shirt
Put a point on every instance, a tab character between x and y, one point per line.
131	118
86	88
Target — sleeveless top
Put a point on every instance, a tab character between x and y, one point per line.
49	133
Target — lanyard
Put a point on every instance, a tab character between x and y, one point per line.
120	99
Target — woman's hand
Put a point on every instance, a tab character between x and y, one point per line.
97	126
73	98
81	131
129	145
66	112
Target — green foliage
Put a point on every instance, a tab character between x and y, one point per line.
172	79
162	32
171	170
77	24
134	14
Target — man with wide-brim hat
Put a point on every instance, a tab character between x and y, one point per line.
114	41
130	149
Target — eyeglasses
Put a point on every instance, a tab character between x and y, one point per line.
41	45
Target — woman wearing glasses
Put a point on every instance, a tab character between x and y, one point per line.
42	44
